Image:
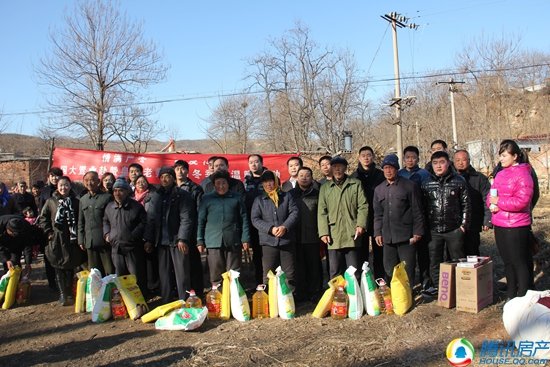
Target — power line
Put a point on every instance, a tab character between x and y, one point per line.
225	94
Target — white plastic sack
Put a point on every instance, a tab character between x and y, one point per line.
93	285
527	320
182	319
4	281
355	309
240	309
102	306
369	290
285	299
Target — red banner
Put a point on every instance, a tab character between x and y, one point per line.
76	162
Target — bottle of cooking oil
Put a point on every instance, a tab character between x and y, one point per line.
193	301
385	296
118	309
339	308
214	302
260	303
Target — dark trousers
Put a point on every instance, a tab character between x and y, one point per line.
132	262
395	253
100	258
377	263
471	243
256	254
195	268
308	270
513	247
453	240
152	269
173	260
50	273
423	261
341	259
223	259
285	256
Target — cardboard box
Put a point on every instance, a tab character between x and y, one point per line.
474	288
447	285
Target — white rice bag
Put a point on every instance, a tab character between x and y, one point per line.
93	285
285	299
182	319
102	306
240	309
368	290
355	309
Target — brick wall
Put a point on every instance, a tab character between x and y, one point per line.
30	170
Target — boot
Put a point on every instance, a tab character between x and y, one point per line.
69	276
61	286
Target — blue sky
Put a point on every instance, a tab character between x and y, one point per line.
208	42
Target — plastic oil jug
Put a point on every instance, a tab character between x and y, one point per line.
193	301
260	303
339	308
385	296
214	302
118	309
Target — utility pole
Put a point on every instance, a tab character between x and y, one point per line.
452	90
397	20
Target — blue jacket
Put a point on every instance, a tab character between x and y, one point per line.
265	216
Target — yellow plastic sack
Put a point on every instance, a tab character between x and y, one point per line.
162	310
80	299
132	296
11	290
225	313
272	294
401	293
323	307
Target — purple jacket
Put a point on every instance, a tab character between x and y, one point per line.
515	191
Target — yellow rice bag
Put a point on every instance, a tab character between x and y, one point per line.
11	290
132	296
80	300
226	297
272	294
323	307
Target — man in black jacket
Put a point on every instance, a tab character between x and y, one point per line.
447	204
15	239
479	187
398	219
171	222
123	226
370	177
308	260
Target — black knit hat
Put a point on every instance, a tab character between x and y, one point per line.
16	225
168	170
268	176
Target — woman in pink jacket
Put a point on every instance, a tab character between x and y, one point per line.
511	208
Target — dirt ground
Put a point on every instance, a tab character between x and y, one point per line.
45	334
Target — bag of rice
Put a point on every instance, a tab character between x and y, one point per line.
132	296
369	291
285	299
240	309
182	319
355	309
93	285
102	306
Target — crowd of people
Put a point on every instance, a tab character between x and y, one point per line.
383	214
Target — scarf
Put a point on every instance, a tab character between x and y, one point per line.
274	194
140	196
65	215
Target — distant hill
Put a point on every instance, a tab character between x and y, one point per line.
28	145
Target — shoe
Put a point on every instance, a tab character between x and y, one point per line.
430	292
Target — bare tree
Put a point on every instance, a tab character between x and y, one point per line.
99	64
231	123
309	92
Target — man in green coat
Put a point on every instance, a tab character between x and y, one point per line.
90	225
342	218
222	227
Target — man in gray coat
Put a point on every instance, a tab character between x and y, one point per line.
90	225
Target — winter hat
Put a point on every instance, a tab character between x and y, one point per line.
339	160
268	176
392	160
15	225
121	183
168	170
